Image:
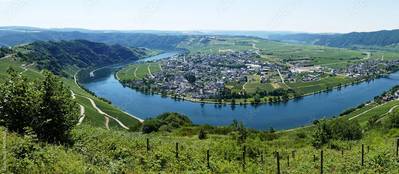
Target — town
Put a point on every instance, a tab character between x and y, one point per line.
206	76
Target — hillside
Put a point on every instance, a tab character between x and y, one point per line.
56	56
153	41
376	38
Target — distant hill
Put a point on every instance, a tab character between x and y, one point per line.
55	56
15	36
377	38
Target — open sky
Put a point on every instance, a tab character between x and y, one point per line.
261	15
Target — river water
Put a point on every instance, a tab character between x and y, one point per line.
293	113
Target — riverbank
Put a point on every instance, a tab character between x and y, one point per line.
297	113
248	101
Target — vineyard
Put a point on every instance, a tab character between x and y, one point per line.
101	151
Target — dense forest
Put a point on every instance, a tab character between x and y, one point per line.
376	38
152	41
54	56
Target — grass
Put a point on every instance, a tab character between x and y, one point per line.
138	71
320	85
254	84
92	116
282	52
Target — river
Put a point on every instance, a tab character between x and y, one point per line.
294	113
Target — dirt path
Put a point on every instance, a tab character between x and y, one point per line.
384	115
25	67
82	109
82	115
149	70
160	67
281	76
106	122
243	86
135	70
358	115
106	115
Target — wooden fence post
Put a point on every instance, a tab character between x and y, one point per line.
397	147
288	160
321	162
342	152
207	158
148	145
243	158
261	157
293	154
362	154
314	158
177	150
278	163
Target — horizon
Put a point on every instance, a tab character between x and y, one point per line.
303	16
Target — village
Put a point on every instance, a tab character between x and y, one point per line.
204	76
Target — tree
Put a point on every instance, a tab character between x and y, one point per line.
190	77
202	134
58	113
18	102
44	107
322	135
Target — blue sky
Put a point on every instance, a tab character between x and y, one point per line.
267	15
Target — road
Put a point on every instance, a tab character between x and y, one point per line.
149	70
281	76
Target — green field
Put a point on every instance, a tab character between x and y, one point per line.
323	84
138	71
279	51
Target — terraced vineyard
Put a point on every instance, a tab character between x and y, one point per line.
138	71
93	117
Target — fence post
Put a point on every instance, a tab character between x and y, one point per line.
243	158
261	157
362	154
342	152
288	160
293	154
368	149
321	162
314	158
278	163
207	158
397	147
177	150
148	145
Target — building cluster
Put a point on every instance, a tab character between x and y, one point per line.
203	76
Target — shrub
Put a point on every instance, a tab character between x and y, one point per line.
168	122
202	135
338	129
393	121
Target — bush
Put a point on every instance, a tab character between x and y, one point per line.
202	135
168	122
338	129
393	121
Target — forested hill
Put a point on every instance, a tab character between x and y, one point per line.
152	41
376	38
56	56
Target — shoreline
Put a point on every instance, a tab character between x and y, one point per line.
224	102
